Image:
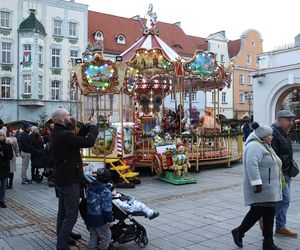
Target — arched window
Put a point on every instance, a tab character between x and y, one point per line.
5	87
120	39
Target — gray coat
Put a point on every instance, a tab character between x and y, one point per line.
261	169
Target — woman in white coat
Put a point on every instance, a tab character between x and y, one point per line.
262	184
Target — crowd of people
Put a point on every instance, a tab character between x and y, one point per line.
267	159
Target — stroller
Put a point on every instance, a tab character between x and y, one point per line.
123	232
125	227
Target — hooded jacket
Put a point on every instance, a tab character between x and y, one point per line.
261	168
6	154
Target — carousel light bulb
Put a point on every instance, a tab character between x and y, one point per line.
151	99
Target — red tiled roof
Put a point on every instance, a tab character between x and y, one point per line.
132	29
234	47
199	42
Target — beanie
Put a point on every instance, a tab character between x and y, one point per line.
261	130
26	125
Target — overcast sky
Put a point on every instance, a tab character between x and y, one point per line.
277	21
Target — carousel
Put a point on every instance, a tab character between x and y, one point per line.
136	129
167	140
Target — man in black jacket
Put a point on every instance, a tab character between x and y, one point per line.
282	145
68	174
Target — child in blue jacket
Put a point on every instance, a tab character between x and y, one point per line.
99	210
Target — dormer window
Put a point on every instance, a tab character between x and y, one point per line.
98	36
178	46
120	39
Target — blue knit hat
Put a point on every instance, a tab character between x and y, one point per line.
26	125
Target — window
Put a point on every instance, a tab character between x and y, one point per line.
6	53
4	19
120	39
27	53
27	84
40	54
98	36
55	90
72	29
55	58
173	96
57	29
73	56
248	59
241	97
249	79
224	97
193	96
5	87
222	58
213	99
253	44
40	85
241	79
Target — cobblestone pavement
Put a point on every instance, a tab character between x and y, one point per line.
195	216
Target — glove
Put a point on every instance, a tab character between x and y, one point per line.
258	189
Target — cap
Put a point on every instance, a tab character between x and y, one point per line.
285	114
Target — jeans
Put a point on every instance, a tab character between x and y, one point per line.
103	233
68	205
25	163
3	182
283	205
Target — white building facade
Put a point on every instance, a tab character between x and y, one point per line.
39	39
218	44
278	77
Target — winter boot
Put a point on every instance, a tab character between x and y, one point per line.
268	244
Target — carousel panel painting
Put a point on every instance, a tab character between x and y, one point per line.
151	62
203	63
105	142
99	76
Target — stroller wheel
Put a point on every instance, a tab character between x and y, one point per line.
143	241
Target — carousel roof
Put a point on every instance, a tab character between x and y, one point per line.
150	41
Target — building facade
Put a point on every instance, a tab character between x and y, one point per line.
38	40
277	83
244	56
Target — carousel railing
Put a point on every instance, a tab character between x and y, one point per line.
202	149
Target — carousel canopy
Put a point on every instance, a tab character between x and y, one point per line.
150	40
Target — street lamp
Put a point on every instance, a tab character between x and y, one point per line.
249	97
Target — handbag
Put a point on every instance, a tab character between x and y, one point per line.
294	169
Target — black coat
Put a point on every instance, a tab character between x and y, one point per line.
282	146
65	146
37	150
6	154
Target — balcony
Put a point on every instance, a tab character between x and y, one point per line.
31	102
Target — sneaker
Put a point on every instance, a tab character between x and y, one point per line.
285	232
154	215
2	204
237	237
